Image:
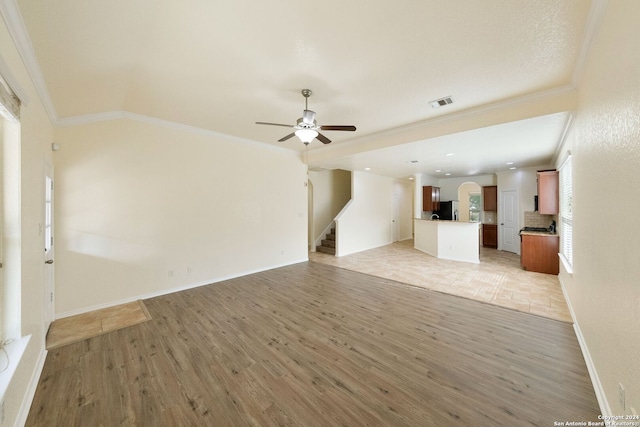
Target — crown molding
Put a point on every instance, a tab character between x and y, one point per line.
90	118
8	77
596	15
21	39
127	115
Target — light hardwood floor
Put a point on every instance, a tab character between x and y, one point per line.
315	345
498	279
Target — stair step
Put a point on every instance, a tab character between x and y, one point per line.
330	236
326	250
329	243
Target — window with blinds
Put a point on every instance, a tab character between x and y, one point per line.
566	212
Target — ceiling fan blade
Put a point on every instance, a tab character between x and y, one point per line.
308	117
273	124
350	128
323	139
284	138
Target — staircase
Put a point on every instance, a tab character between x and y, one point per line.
328	245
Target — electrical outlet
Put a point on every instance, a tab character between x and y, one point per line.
621	397
170	273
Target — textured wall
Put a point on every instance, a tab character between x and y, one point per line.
604	290
143	208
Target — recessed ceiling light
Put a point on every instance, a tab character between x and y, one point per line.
449	154
412	161
447	174
438	170
509	163
512	168
410	178
367	169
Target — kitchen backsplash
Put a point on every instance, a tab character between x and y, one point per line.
534	219
490	217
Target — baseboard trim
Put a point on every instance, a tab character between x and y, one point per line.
603	403
27	399
172	290
361	250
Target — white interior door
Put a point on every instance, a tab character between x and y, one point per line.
396	218
509	239
47	231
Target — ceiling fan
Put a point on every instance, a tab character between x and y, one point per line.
306	128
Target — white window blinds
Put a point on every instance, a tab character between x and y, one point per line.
566	211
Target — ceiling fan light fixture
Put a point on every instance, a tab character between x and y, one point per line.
306	135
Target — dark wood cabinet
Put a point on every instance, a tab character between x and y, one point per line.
490	235
430	198
490	198
548	192
540	253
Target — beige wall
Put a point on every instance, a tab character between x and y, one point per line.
604	289
366	222
331	192
35	149
146	208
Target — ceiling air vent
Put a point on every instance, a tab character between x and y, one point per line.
441	102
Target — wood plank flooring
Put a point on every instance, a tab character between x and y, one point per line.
315	345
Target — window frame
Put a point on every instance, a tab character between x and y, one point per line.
566	213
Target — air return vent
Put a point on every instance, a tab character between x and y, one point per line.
441	102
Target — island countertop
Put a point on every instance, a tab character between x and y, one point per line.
454	240
448	220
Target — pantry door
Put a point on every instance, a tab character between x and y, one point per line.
509	224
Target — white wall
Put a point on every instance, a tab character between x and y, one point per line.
366	222
604	289
403	191
331	192
35	142
146	208
523	180
449	186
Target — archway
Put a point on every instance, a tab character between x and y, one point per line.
469	207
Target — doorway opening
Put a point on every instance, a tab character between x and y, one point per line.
469	202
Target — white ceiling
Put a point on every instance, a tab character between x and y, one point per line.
222	66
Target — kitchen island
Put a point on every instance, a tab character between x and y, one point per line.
454	240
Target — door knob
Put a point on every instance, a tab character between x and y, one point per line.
49	261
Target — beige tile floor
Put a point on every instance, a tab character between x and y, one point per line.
82	326
498	279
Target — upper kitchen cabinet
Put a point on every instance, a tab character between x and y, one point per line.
490	198
430	198
547	192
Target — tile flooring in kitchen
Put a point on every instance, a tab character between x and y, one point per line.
498	279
